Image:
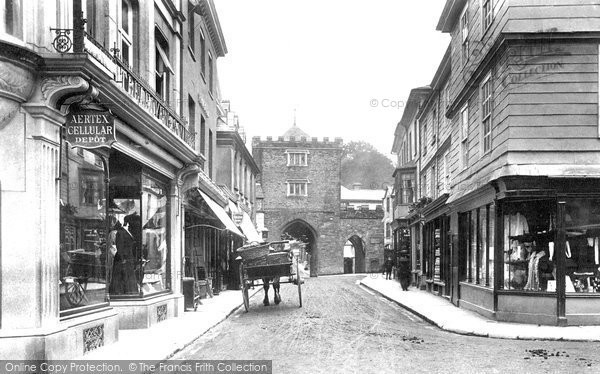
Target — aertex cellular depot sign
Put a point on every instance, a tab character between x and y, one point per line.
90	129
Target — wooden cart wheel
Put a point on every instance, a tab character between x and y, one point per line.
244	289
299	280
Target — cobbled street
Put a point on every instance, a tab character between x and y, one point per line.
345	328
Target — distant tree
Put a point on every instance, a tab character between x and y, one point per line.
362	163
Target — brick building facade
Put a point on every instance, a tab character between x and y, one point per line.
301	182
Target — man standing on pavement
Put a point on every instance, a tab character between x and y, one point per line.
388	268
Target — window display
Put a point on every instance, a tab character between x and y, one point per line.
582	247
139	217
83	253
529	229
154	236
476	242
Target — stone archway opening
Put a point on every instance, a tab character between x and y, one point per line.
354	255
300	230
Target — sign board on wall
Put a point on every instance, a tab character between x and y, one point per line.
90	129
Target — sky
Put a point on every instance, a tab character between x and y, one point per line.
345	66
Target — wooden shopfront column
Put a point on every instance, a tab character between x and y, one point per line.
559	246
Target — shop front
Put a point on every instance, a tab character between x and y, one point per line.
116	228
529	251
211	238
437	247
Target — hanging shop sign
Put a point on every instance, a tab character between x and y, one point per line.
90	129
237	218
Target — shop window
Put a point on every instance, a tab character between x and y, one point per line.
91	183
139	221
154	235
476	245
473	250
83	225
582	247
529	229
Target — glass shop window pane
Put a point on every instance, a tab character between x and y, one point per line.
582	247
83	255
529	231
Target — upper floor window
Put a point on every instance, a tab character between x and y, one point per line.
425	138
163	66
192	114
297	158
297	188
202	134
464	136
464	31
445	170
409	138
433	182
191	27
202	53
486	113
407	192
210	153
435	125
11	11
125	32
487	13
210	73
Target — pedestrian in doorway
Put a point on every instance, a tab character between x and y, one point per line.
404	272
388	268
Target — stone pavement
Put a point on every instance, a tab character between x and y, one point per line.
440	312
162	340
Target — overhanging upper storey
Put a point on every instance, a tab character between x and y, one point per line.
415	99
450	15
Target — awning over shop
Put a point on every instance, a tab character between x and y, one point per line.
221	214
249	229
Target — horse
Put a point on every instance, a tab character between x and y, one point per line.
276	297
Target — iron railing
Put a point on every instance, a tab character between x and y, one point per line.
132	83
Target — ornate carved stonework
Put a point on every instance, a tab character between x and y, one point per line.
56	87
93	338
161	313
15	82
8	109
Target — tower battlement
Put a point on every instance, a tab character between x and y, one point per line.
296	141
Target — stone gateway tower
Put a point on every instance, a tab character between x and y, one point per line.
301	181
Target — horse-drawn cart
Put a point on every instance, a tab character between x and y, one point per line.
268	262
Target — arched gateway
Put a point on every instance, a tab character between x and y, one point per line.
301	230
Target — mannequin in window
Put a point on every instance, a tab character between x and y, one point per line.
124	279
538	267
